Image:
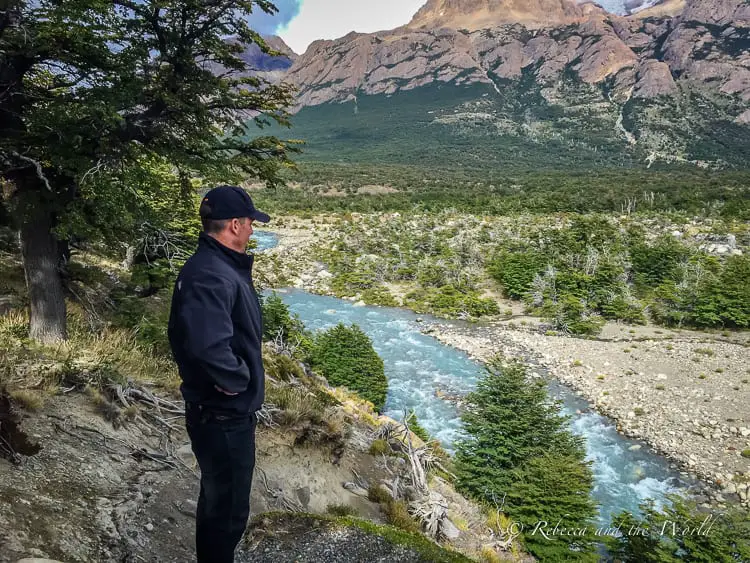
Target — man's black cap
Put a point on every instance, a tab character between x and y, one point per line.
230	202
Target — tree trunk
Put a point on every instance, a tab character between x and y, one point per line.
41	263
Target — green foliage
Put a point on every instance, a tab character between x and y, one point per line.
519	447
140	120
397	515
341	510
346	358
681	533
379	447
451	302
515	271
571	314
377	493
417	428
278	321
379	296
657	263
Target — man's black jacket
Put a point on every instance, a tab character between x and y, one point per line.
216	328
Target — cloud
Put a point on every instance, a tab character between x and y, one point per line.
271	24
330	19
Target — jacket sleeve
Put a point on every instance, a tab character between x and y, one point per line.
206	319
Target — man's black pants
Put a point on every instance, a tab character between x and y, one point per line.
224	446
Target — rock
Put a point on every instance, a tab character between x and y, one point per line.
743	118
303	494
661	376
730	489
744	432
635	448
450	531
356	489
185	453
360	304
149	527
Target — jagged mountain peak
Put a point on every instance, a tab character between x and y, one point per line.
480	14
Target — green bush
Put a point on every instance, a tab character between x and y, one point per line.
680	532
277	320
346	358
518	446
570	314
657	263
515	271
379	447
341	510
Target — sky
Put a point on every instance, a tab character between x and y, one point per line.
300	22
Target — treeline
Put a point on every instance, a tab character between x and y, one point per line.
593	270
507	190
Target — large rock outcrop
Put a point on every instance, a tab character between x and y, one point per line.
470	41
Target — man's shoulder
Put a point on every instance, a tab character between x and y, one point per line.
203	266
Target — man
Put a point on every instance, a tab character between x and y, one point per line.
215	331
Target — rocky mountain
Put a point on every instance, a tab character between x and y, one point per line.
481	14
656	77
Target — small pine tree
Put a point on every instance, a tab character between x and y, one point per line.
681	533
278	320
345	357
519	449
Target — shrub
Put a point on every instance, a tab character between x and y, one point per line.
277	320
397	514
658	263
29	400
377	493
570	314
519	446
515	271
727	540
379	447
379	296
417	428
745	453
296	403
345	357
341	510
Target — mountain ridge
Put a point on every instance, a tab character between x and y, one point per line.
658	82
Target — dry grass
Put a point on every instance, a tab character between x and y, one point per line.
380	447
113	355
397	514
297	404
26	399
489	555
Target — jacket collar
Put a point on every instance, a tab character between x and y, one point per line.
238	260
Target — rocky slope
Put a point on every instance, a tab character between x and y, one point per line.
707	45
665	71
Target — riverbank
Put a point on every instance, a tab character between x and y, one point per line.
688	399
684	393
